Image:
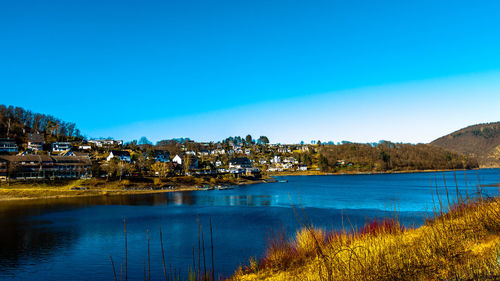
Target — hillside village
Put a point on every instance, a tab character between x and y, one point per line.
113	159
36	146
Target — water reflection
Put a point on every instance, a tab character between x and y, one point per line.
28	241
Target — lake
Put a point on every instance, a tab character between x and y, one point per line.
73	238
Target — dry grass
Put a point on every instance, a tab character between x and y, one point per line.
64	188
462	244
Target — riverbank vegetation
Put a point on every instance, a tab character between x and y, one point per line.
461	244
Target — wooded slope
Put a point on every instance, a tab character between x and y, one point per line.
481	141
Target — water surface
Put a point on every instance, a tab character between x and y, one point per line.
73	238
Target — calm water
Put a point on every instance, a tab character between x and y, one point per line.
72	239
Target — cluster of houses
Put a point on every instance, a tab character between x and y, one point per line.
59	163
277	164
37	159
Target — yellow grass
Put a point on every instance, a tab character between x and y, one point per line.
460	245
61	189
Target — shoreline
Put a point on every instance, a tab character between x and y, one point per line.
103	192
9	194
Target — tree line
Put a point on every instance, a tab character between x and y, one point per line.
388	156
17	122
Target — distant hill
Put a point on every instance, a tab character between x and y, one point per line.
481	141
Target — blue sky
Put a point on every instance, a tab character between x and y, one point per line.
405	71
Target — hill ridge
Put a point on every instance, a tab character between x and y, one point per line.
481	141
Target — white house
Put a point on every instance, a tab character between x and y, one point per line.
284	149
177	159
275	169
61	146
302	168
120	154
290	160
103	142
276	159
85	147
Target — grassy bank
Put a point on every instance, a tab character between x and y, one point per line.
462	244
20	190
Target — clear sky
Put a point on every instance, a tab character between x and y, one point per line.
406	71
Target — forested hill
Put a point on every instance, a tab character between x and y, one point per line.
18	123
388	156
481	141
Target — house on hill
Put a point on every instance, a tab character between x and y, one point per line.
4	167
276	159
106	142
61	146
74	153
161	156
189	159
243	166
86	147
177	159
33	167
8	145
240	163
71	166
36	142
122	155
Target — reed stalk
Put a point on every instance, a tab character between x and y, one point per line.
203	247
149	257
163	256
212	249
199	248
113	264
126	249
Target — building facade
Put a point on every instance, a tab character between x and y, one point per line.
34	167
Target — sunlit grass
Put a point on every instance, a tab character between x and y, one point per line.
462	244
